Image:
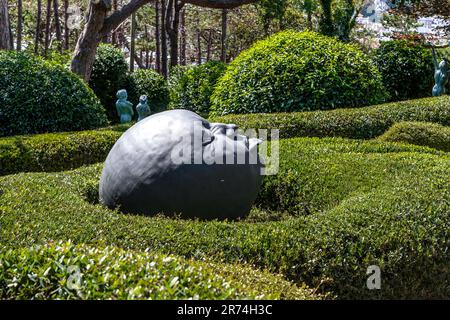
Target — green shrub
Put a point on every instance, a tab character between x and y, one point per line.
108	76
38	96
360	123
55	151
352	204
297	72
419	133
407	69
150	83
67	271
193	88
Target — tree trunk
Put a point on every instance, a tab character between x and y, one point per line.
114	34
19	25
86	48
133	41
163	40
326	25
5	35
66	26
98	24
172	26
57	24
223	55
157	37
183	41
47	26
37	38
209	45
199	42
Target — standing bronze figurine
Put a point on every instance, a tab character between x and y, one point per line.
440	75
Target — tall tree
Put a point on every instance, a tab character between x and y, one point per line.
114	34
223	54
5	35
157	36
37	36
99	23
47	26
66	25
19	25
172	27
164	67
133	41
183	37
57	23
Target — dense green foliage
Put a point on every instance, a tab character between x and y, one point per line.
52	152
150	83
68	271
351	205
38	96
55	151
108	76
407	69
297	72
192	88
420	133
360	123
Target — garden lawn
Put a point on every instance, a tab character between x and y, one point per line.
347	204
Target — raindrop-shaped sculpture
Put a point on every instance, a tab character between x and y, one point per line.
176	162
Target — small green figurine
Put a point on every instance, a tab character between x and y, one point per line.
142	108
440	75
124	107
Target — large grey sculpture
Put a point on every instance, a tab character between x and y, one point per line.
160	166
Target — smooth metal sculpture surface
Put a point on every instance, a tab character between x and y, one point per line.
441	72
176	162
124	107
142	108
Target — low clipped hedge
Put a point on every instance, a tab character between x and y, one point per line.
38	96
67	271
351	204
298	71
360	123
55	151
419	133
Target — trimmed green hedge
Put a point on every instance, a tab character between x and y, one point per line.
407	69
298	71
38	96
351	205
192	87
55	151
68	271
419	133
360	123
109	73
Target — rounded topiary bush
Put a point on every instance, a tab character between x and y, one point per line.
38	96
108	76
293	71
193	88
148	82
406	68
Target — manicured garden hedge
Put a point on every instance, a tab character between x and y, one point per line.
298	71
55	151
420	133
38	96
407	69
350	205
67	271
360	123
